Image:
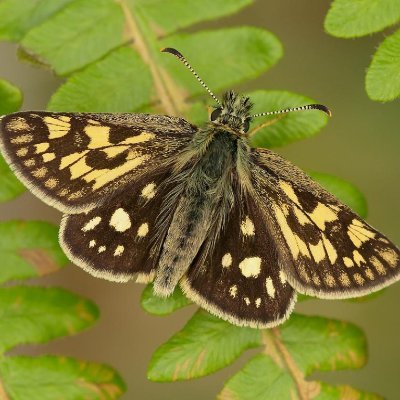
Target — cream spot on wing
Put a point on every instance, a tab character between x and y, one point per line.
76	195
247	227
250	267
40	172
288	190
380	268
114	151
226	260
348	262
120	220
79	168
57	127
18	124
92	243
302	247
329	280
63	192
269	285
332	254
303	273
143	230
359	279
105	176
362	228
358	233
99	136
119	250
369	274
101	249
296	245
94	174
282	277
64	118
258	302
71	158
318	251
48	157
355	240
390	256
22	139
41	147
30	163
91	224
287	232
301	217
247	301
143	137
51	183
315	278
321	215
233	291
148	192
22	152
344	279
358	258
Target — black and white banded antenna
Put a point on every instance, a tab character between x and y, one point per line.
320	107
180	57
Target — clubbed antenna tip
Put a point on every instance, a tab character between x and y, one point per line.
181	58
323	108
172	51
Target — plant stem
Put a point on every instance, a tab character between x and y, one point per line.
170	97
3	394
275	349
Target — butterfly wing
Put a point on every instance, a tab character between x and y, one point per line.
240	279
122	238
74	161
325	249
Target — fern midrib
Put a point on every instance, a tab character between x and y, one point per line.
3	394
271	338
169	96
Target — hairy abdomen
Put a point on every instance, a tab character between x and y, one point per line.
204	190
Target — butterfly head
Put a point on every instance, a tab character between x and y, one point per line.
234	112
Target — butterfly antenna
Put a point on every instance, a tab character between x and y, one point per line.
320	107
180	57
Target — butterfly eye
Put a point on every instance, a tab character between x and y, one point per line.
246	125
215	114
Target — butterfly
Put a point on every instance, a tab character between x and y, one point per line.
157	199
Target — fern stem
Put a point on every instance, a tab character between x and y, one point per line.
275	349
168	95
3	394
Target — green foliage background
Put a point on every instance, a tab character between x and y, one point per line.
89	45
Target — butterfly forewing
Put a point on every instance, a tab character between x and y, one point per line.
326	249
121	239
73	161
240	278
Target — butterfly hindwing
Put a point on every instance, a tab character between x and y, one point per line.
240	278
75	160
121	239
326	249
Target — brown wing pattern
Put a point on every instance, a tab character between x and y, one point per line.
121	239
240	280
326	250
74	161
